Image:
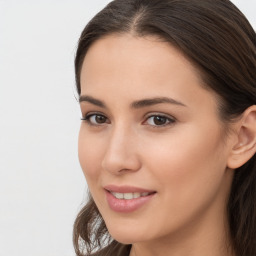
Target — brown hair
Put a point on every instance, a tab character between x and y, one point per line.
217	38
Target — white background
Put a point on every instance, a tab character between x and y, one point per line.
41	184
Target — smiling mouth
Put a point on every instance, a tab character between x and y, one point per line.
129	196
126	199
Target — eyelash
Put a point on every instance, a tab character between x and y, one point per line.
87	117
169	120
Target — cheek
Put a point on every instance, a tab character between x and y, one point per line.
188	169
189	160
90	152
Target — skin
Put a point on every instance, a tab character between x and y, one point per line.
184	159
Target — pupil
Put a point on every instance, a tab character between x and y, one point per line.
100	119
159	120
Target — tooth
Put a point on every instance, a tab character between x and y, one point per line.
128	196
118	195
136	195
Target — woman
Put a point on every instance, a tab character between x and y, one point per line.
167	90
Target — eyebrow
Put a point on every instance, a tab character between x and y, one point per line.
155	101
136	104
92	100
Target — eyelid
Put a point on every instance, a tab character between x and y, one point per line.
88	115
170	118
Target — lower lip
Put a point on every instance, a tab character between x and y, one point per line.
126	206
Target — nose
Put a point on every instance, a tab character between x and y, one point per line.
121	154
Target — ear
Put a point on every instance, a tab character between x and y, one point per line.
245	142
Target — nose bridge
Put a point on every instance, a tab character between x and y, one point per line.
121	152
119	134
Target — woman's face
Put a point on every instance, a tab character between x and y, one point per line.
151	147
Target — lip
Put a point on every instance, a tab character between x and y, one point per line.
126	189
127	206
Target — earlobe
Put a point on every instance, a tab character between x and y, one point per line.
245	146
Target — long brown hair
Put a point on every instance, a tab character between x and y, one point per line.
217	38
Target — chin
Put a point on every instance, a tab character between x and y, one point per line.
125	239
126	235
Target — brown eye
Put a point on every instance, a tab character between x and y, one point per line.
158	120
96	119
100	119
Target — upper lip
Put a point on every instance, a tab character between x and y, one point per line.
127	189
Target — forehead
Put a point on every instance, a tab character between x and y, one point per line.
133	47
131	55
128	67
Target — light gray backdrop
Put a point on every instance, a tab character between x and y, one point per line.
41	184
